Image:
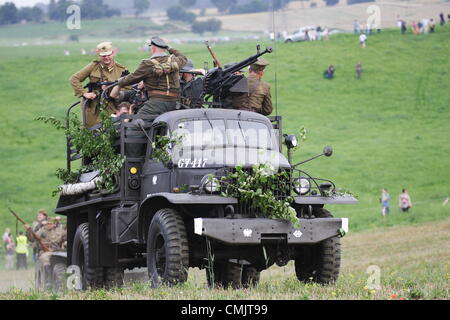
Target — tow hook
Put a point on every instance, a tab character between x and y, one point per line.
341	232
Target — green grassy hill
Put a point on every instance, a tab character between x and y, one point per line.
388	130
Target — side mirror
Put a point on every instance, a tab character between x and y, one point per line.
291	141
328	151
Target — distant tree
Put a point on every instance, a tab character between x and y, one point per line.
210	25
9	13
57	10
223	5
250	7
331	2
31	14
96	9
358	1
187	3
179	13
279	4
140	6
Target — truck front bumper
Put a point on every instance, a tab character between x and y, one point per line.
257	231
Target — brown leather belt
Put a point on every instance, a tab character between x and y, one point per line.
163	93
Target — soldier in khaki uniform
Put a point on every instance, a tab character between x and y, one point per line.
104	69
53	236
260	99
37	224
161	77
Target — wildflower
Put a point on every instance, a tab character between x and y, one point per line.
394	296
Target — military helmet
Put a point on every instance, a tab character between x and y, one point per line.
189	66
105	49
158	42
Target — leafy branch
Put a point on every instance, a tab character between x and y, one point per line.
258	188
97	145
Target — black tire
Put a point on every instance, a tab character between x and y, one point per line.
250	276
167	249
58	274
225	275
39	277
113	277
90	277
321	262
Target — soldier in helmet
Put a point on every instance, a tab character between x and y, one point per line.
260	99
191	87
101	70
161	77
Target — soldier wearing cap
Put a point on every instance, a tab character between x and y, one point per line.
104	69
53	236
41	217
191	87
161	77
260	99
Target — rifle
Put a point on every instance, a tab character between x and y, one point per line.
218	81
92	86
216	61
43	246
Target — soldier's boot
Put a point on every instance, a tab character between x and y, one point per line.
48	277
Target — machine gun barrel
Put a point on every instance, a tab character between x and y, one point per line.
245	63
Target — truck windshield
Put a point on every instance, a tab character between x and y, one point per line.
224	133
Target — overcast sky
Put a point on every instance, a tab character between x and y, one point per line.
25	3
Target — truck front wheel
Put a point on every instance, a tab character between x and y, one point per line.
167	249
319	262
91	276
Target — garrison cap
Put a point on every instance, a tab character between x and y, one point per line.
104	49
261	62
43	211
157	41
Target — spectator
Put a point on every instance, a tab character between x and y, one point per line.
362	40
319	33
441	16
9	256
385	197
329	73
403	27
326	34
359	70
6	237
404	201
356	27
432	25
21	251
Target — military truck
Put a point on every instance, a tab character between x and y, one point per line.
169	215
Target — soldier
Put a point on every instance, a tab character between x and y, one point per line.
105	69
53	236
260	99
237	97
37	224
161	77
191	87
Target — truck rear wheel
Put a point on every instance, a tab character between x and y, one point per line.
91	277
250	276
225	275
319	262
59	270
167	249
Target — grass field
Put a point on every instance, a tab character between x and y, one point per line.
388	130
413	263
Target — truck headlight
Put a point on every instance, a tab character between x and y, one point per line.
210	184
302	186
